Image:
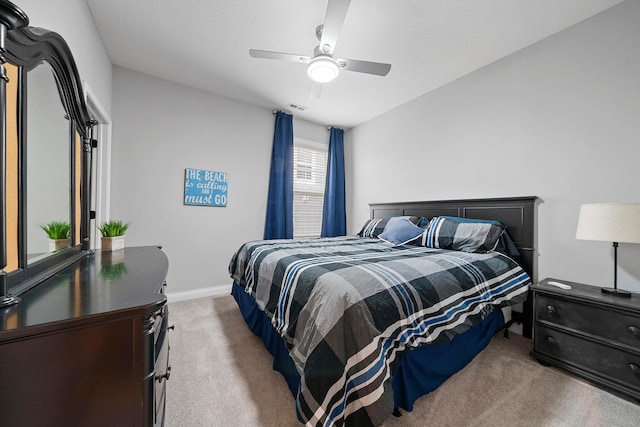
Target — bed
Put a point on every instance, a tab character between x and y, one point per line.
360	326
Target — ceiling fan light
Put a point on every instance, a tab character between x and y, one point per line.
323	69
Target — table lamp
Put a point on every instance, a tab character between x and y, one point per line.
610	222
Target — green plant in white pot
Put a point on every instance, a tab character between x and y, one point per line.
58	233
113	234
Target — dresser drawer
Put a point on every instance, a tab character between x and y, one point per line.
595	320
609	363
162	373
160	319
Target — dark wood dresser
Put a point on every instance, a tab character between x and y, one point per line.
89	345
589	333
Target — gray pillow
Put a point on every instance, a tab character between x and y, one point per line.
445	233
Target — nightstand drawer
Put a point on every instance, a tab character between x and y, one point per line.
609	363
599	321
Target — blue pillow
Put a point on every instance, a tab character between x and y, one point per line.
375	227
401	231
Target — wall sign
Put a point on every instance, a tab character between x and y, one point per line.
205	188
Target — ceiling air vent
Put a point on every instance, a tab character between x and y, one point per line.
296	107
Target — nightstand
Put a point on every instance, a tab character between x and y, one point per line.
588	333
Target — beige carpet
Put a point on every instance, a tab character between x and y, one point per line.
222	376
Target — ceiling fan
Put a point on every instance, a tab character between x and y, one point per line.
323	67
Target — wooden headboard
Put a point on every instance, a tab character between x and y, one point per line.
518	214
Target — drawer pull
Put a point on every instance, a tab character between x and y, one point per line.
550	340
635	369
164	376
634	331
172	327
551	310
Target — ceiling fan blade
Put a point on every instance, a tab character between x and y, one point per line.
333	20
268	54
316	90
368	67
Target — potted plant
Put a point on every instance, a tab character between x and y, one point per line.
113	235
58	233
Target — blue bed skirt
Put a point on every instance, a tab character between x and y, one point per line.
421	371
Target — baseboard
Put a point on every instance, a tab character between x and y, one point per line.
213	291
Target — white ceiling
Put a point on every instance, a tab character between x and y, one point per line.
204	44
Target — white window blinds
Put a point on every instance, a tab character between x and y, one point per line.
309	172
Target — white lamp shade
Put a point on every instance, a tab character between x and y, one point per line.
323	69
610	222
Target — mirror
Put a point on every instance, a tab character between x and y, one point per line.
46	136
48	154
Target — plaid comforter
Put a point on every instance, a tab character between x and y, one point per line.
348	308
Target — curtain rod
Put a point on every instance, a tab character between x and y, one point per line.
275	111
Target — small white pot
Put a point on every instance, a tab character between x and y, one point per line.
112	243
57	244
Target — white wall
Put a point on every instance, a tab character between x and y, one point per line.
48	169
161	128
558	120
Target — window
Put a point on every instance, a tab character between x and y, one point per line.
310	169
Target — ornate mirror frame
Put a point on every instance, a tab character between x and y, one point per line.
21	49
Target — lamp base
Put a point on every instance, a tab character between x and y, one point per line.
616	292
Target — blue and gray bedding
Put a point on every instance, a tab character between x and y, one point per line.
348	309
